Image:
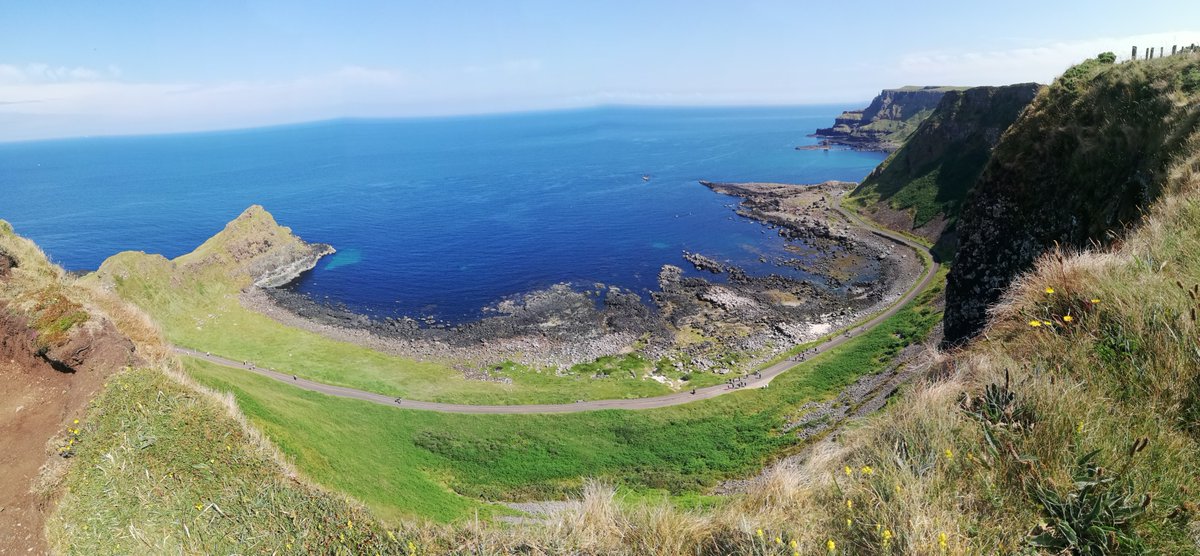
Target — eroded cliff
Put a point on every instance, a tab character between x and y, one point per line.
890	118
920	187
1078	166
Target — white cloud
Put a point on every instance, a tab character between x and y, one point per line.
1032	61
44	73
39	101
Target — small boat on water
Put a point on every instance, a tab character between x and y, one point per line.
646	177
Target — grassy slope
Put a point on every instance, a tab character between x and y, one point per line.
397	461
161	469
197	306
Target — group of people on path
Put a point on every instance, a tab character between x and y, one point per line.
739	382
803	355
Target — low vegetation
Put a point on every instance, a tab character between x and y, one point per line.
406	463
163	468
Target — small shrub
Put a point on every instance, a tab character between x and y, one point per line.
1106	58
1097	516
998	406
1191	80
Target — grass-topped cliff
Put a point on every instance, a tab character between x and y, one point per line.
920	188
1080	165
888	120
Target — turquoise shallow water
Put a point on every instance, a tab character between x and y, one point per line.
435	216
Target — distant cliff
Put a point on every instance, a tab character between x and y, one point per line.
887	121
1078	166
920	187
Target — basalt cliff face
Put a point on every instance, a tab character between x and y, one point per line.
887	121
1078	166
920	187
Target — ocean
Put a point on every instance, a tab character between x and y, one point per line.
436	217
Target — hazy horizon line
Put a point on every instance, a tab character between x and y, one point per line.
430	117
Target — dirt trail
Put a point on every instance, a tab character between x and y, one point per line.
38	403
762	380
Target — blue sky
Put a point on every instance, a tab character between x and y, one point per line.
72	68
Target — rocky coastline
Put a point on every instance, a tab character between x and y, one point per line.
698	320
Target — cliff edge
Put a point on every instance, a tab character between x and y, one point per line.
920	188
1079	166
887	121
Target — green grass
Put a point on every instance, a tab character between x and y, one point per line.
161	469
199	308
413	463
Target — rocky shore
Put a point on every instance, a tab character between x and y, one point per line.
697	324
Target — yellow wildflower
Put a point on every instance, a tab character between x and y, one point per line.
1079	427
1047	323
887	537
866	470
76	422
391	536
349	524
942	542
793	544
849	471
778	540
949	454
849	522
1068	318
1095	300
1035	323
831	546
849	504
1049	289
759	532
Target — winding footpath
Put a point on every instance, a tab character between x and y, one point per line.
759	380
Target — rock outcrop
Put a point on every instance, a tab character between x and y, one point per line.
920	188
1079	166
255	246
887	121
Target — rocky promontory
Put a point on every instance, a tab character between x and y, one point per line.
884	124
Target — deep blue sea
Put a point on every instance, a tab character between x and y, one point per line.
435	217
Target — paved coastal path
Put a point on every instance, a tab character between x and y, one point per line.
759	380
